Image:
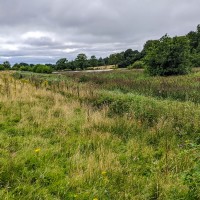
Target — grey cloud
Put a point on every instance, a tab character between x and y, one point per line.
92	26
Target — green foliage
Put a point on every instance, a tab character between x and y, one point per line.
42	69
6	65
195	59
81	61
129	57
61	64
115	58
93	61
2	67
16	66
168	56
149	44
194	38
181	88
24	68
39	68
101	62
137	65
71	65
71	145
192	176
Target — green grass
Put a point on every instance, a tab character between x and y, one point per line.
68	137
182	88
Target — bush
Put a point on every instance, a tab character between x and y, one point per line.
24	68
6	65
168	56
42	69
2	67
137	65
195	60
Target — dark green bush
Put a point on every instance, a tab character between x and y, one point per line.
2	67
168	56
195	59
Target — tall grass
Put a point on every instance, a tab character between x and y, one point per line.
183	88
62	139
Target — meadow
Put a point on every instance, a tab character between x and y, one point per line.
119	135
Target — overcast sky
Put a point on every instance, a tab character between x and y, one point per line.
42	31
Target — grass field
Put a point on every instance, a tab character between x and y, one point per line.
119	135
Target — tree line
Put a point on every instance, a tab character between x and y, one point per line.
166	56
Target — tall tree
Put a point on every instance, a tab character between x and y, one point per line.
1	67
194	38
81	61
16	66
61	64
6	65
93	61
101	62
168	56
115	58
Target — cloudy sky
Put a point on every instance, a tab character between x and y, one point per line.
42	31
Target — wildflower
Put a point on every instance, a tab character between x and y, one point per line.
75	195
95	199
103	173
37	150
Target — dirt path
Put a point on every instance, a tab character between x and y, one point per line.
85	71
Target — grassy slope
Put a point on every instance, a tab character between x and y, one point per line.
60	139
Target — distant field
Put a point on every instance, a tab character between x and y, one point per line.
104	67
99	136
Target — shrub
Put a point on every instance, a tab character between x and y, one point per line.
137	65
6	65
195	60
42	69
168	56
2	67
24	68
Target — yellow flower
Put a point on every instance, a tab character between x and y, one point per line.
95	199
37	150
75	195
104	173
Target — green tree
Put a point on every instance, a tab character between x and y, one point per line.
128	58
106	61
115	59
101	62
7	65
81	61
93	61
24	64
61	64
42	69
128	53
71	65
16	66
168	56
148	45
1	67
194	38
24	68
